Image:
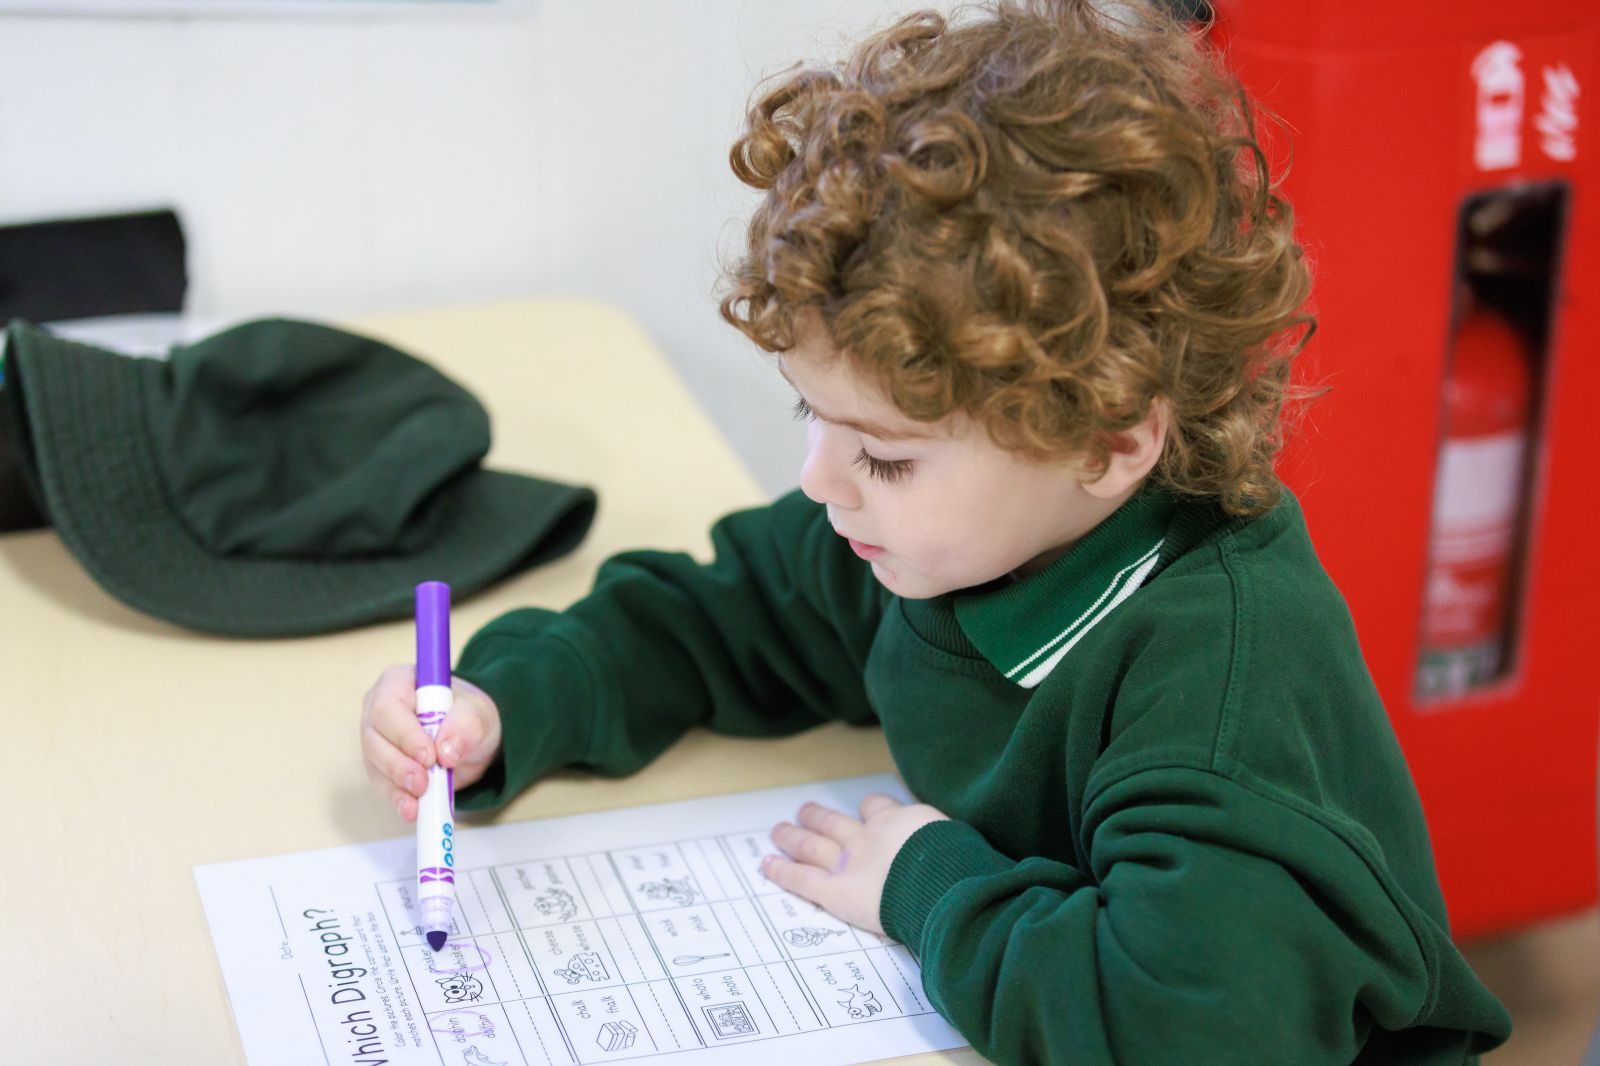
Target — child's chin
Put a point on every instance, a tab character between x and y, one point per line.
913	589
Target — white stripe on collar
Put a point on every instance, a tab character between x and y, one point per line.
1123	584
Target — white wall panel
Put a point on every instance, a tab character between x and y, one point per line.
329	165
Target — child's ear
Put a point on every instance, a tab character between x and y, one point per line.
1133	454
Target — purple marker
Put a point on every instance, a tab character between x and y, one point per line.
436	830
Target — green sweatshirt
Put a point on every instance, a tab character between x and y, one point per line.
1182	830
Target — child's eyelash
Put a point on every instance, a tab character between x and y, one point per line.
886	470
889	470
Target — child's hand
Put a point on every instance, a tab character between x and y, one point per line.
840	864
398	753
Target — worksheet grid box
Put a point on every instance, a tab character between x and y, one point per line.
643	950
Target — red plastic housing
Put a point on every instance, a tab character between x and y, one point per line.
1399	114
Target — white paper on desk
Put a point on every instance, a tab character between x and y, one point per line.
615	935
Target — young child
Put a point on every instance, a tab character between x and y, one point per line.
1031	282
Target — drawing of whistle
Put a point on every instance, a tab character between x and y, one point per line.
691	960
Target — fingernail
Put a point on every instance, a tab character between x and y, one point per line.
411	783
447	750
422	756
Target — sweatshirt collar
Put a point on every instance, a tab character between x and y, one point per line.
1027	627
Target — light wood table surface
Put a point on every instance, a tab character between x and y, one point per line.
138	750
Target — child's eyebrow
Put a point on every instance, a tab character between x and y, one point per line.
868	428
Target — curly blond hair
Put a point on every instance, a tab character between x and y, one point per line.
1045	217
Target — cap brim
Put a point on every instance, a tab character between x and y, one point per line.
107	500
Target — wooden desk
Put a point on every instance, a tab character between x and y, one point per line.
138	750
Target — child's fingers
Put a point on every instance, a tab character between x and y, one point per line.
802	879
394	747
388	765
400	731
876	804
827	821
404	805
808	847
396	683
391	712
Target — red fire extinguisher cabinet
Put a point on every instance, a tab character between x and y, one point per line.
1411	132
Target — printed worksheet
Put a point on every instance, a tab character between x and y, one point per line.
617	935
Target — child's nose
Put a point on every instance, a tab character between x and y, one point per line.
826	475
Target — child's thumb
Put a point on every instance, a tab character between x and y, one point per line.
458	737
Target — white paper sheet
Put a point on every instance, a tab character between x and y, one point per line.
617	935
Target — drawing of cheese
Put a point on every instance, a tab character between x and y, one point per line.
584	964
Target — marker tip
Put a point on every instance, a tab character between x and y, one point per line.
436	939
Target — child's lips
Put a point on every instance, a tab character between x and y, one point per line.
866	551
861	548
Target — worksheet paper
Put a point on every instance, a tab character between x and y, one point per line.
617	935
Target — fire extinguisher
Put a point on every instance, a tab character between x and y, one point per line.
1477	503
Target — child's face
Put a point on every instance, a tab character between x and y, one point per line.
933	507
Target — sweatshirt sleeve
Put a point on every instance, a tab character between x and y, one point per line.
1215	925
769	638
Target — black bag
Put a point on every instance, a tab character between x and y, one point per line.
68	269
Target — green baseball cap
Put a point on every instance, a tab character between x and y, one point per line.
280	477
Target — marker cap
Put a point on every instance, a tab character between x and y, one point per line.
433	633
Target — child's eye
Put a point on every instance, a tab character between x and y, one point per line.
889	470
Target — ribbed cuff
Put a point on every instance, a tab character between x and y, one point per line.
929	864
